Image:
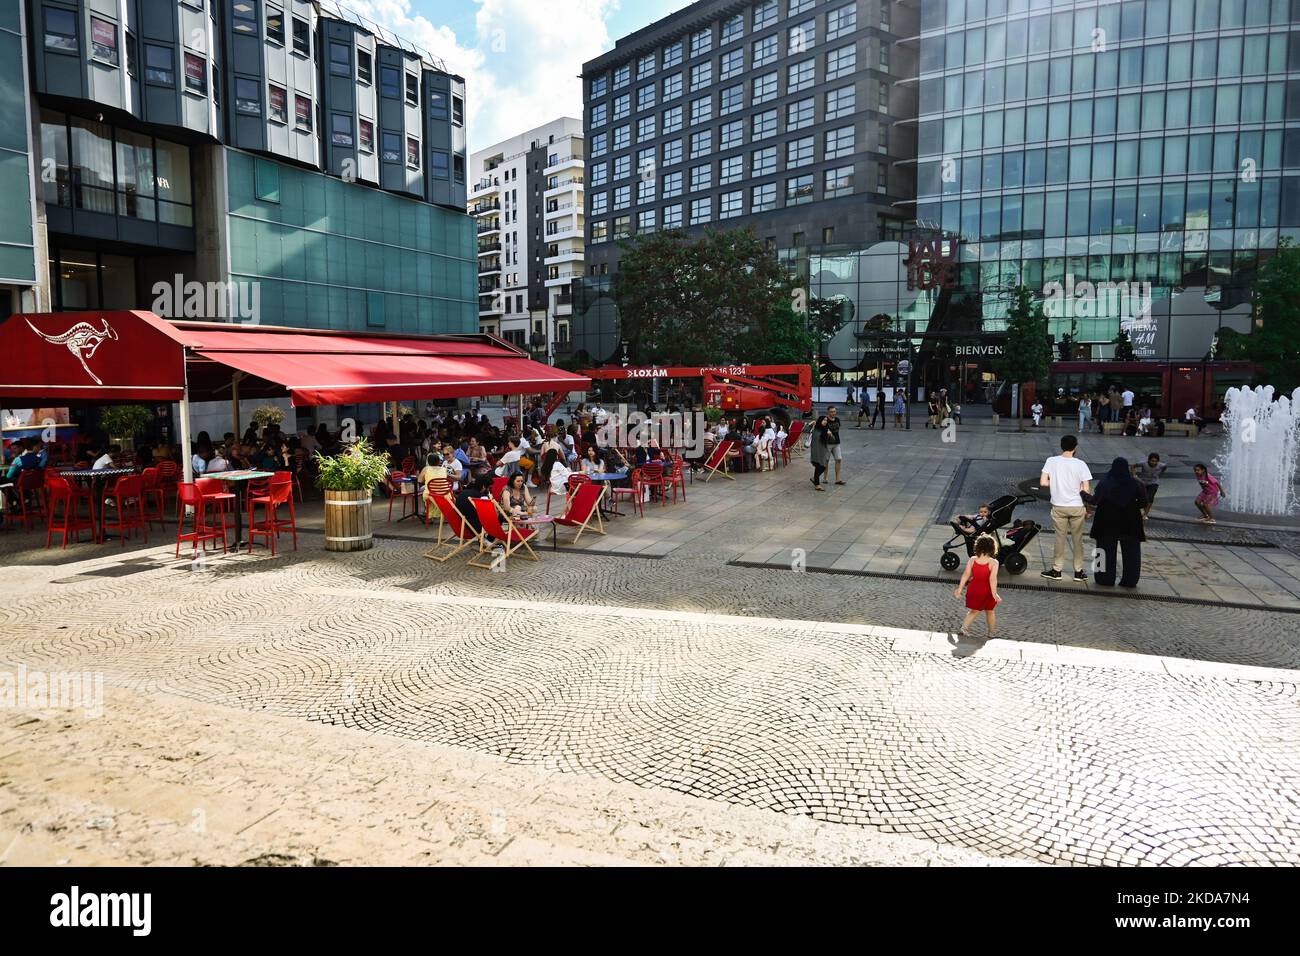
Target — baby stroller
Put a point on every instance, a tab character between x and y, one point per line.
1010	544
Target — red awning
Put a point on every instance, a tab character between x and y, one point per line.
116	356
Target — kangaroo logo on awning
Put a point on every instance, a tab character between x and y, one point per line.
82	340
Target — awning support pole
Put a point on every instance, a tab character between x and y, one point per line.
187	457
397	424
234	403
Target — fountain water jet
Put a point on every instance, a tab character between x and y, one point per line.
1261	445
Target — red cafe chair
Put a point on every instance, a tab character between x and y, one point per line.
202	530
29	489
127	498
280	494
68	518
218	499
154	497
633	492
652	477
401	486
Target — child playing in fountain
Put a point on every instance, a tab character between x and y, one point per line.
982	595
1211	492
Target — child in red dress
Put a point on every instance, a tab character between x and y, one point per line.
982	595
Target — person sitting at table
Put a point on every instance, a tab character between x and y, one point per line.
509	463
199	461
480	487
591	463
475	451
556	470
612	459
455	469
218	461
433	469
26	458
516	499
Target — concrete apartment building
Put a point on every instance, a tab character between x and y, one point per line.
282	144
527	199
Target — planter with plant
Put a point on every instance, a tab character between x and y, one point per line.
124	423
347	480
265	415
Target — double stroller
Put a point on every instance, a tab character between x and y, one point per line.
1010	543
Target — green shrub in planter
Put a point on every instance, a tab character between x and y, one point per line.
125	421
357	469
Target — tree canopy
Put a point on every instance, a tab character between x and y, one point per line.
1028	351
1274	342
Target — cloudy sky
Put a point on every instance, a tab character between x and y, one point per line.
520	58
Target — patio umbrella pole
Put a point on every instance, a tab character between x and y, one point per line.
234	403
187	457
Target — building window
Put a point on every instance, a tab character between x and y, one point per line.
645	97
412	90
763	161
800	76
673	216
701	42
732	135
599	114
622	227
275	24
672	185
340	59
841	102
622	76
130	59
799	152
599	86
599	172
799	6
839	142
701	75
437	104
733	29
103	40
731	99
341	129
764	124
622	137
439	168
764	88
764	51
837	182
622	167
302	111
763	198
599	203
248	96
622	197
243	17
367	129
599	232
672	54
599	144
645	65
196	73
60	30
645	129
277	99
672	152
802	37
622	106
412	152
672	120
159	65
457	111
301	36
390	81
764	14
392	147
841	20
364	74
645	191
701	110
672	87
701	143
731	205
799	114
701	210
731	170
733	64
645	220
701	177
799	190
841	62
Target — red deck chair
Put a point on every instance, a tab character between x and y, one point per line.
462	533
716	463
791	439
498	485
65	516
584	505
127	497
272	523
653	478
632	492
435	488
497	524
203	530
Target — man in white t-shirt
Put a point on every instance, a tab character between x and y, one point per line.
1128	400
1067	477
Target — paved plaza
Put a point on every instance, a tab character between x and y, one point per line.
763	673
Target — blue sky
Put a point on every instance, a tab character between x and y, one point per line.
520	58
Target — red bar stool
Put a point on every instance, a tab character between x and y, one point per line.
203	531
127	498
154	497
280	493
30	492
69	519
217	498
402	487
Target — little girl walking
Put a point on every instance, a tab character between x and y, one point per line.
982	595
1211	491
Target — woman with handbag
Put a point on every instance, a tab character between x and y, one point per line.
818	450
1117	524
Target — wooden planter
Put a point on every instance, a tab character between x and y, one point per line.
347	521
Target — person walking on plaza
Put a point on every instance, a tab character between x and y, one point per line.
1149	474
833	423
817	453
982	594
1117	523
900	407
878	410
1037	411
1067	478
1211	491
864	406
1085	413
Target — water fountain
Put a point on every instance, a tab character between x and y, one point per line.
1261	445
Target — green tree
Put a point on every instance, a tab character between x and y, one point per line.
784	339
698	301
1028	351
1274	342
1123	347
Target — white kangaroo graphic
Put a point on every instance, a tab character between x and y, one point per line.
82	340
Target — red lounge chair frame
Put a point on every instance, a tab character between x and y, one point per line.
497	524
583	506
462	533
717	461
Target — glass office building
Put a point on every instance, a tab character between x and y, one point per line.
1079	142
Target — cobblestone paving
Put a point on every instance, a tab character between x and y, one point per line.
1064	761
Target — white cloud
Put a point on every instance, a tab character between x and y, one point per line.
522	68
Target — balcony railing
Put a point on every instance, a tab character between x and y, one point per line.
488	227
489	247
487	207
566	181
489	267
